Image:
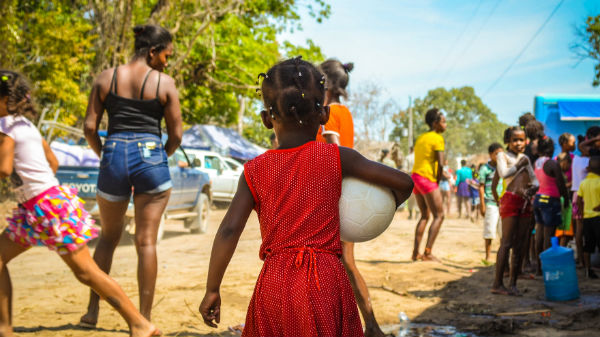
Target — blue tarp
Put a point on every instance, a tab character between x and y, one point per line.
221	140
564	113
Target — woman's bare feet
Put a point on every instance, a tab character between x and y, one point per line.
430	258
416	256
501	290
513	291
6	331
88	320
145	329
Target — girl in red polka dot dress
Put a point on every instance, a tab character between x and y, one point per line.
303	289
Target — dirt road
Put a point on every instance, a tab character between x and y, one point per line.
48	301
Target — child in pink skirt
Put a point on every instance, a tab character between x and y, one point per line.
48	214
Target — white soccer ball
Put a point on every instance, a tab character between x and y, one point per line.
366	210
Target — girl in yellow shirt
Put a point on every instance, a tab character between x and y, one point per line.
426	174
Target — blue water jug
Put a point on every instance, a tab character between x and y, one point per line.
558	267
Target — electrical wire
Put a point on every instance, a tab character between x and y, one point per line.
524	48
468	46
454	44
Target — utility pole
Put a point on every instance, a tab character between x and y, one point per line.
410	124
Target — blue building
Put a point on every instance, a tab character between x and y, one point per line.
566	113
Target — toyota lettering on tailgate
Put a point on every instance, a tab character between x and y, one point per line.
84	188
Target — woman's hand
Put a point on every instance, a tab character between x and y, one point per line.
210	308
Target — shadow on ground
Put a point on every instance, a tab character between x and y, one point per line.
468	305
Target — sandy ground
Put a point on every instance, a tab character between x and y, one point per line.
48	301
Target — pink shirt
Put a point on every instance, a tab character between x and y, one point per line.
547	183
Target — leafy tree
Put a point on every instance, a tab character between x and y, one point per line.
49	42
471	125
371	113
589	44
221	46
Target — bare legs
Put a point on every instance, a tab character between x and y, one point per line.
8	251
88	273
148	210
466	201
430	202
361	292
514	236
578	223
542	242
446	196
488	248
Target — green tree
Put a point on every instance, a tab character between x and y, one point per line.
588	45
50	42
221	46
471	125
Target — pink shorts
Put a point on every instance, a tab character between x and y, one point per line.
422	184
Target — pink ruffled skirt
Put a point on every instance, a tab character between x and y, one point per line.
55	219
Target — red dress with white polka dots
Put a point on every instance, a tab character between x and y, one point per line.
302	289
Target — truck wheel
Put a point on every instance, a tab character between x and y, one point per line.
199	223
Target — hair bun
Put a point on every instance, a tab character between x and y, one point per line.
348	66
138	29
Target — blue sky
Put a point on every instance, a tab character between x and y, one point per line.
411	46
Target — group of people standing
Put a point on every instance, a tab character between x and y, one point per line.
294	189
541	196
309	284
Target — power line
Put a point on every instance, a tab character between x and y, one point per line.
454	44
524	48
471	41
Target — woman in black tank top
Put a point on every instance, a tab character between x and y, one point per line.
136	97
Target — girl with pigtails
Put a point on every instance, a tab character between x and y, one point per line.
303	288
48	214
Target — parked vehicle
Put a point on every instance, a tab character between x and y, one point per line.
224	178
190	199
234	165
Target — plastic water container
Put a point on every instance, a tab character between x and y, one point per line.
558	267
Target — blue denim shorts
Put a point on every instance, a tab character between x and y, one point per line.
132	160
547	210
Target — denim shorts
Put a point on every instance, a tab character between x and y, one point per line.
547	210
132	160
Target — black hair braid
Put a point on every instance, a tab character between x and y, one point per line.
296	76
14	86
545	146
293	88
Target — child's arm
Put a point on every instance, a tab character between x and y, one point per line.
440	168
7	154
495	182
597	208
50	157
482	198
224	245
355	165
560	181
586	145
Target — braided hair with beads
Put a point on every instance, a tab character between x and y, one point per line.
14	86
293	88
